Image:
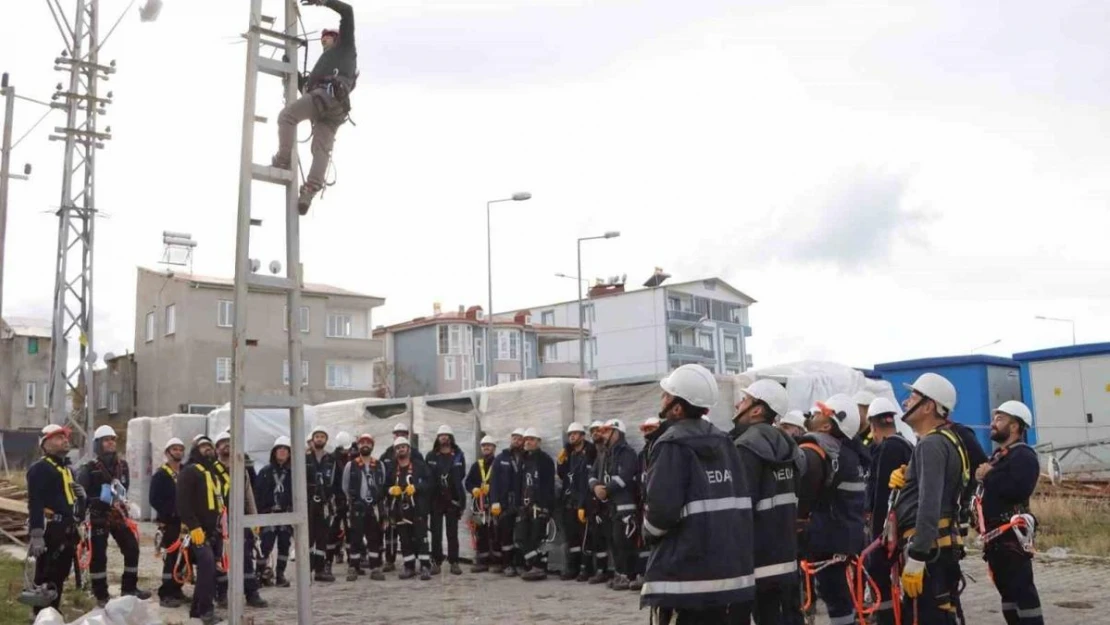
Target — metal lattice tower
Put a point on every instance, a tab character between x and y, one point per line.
73	283
263	33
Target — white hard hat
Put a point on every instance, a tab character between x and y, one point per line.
694	383
771	393
445	429
53	430
104	431
616	424
882	406
400	427
937	388
201	437
594	425
173	441
489	440
532	433
650	422
863	398
224	436
319	429
575	427
365	436
401	440
518	432
1017	410
281	441
343	440
845	413
793	417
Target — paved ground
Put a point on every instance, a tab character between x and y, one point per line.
1073	592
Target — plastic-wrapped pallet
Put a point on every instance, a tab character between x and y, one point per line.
546	405
263	426
141	464
372	416
182	426
456	410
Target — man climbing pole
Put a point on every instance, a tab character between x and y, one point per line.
325	101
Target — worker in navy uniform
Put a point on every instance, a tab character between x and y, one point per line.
407	508
447	465
53	500
250	579
863	401
835	532
772	463
575	462
595	551
163	499
400	430
363	484
537	500
273	489
199	504
927	506
649	429
811	485
793	423
107	479
341	454
615	482
1009	479
889	451
697	515
321	487
976	457
504	500
478	482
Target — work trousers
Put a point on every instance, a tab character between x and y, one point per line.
792	613
337	532
53	567
222	568
98	567
487	550
204	592
169	588
283	537
596	543
1011	568
528	536
774	602
833	589
879	567
623	543
737	613
450	514
319	530
321	110
364	540
506	525
250	573
938	603
575	532
414	544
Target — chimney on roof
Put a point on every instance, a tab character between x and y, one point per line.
657	278
612	286
437	308
462	309
473	312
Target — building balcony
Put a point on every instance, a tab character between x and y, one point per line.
683	317
559	370
733	358
691	353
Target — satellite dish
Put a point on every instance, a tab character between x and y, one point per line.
109	356
255	264
1055	474
91	357
275	267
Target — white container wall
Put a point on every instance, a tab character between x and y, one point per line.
140	464
372	416
262	429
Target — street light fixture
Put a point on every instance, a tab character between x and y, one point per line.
1071	321
516	197
563	275
611	234
994	342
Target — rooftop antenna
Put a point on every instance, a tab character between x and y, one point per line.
177	249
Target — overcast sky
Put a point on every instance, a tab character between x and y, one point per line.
889	182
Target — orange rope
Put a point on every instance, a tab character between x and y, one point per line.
185	577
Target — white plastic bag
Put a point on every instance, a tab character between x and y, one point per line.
49	616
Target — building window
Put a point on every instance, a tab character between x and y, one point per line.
527	354
551	352
674	303
593	345
547	317
508	345
479	351
674	338
701	306
102	396
338	376
455	339
225	313
223	371
302	323
732	346
449	368
339	325
285	372
705	341
113	403
29	395
149	327
171	319
588	315
33	345
504	378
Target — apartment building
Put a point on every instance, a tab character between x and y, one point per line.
183	333
651	330
25	346
445	353
115	390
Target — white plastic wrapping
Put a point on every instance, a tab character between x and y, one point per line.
140	464
546	405
372	416
263	426
182	426
458	411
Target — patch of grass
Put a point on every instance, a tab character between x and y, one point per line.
75	602
1080	525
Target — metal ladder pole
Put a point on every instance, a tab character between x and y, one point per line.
245	281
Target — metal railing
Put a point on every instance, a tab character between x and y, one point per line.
684	315
692	351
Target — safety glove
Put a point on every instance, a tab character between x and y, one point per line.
485	489
496	509
197	536
581	515
897	478
562	457
476	493
913	577
395	491
38	542
410	490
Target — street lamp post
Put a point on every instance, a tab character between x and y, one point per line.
516	197
1071	321
994	342
612	234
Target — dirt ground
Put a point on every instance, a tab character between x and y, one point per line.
1072	593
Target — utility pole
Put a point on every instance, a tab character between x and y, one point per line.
5	171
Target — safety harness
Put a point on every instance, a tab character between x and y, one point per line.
1022	521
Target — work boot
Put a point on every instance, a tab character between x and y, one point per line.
324	576
339	557
138	593
255	600
304	200
497	569
569	575
210	619
599	578
377	575
102	601
169	602
620	582
435	567
425	574
584	576
480	567
510	571
534	575
407	573
389	567
281	162
221	602
281	582
456	569
636	583
352	573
